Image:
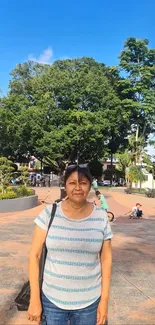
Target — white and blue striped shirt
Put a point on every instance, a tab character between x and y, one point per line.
72	274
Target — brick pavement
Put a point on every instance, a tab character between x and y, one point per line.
132	298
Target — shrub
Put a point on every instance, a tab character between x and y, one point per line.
23	191
6	171
9	195
16	192
138	190
24	175
135	174
9	189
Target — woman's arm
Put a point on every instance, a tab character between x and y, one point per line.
34	257
39	237
106	263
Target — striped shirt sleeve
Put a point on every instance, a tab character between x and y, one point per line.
107	232
42	220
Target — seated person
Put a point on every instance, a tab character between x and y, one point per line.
136	211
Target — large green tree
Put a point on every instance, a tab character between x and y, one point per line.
78	108
64	110
137	88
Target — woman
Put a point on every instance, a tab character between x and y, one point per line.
78	265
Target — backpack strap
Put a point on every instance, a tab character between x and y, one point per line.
52	215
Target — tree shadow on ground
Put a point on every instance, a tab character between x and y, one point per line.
133	245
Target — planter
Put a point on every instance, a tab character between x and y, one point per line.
20	204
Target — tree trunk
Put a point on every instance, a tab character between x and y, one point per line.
111	164
41	166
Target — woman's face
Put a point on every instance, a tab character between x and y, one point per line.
77	189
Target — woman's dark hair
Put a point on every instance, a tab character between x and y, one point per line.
83	171
98	193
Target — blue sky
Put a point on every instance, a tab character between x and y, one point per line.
50	30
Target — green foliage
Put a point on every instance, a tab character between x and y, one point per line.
24	177
135	174
138	88
67	107
136	190
38	165
8	189
124	161
6	172
7	121
13	192
136	148
149	164
8	195
79	107
96	168
23	191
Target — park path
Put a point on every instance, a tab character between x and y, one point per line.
132	300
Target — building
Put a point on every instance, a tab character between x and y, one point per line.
148	183
110	170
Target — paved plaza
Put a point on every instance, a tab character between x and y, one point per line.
132	300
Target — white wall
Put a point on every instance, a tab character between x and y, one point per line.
150	183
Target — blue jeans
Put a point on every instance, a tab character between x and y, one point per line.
53	315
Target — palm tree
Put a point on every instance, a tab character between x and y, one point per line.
136	148
124	161
135	174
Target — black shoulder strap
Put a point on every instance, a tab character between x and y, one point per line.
52	214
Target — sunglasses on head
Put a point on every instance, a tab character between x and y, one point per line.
76	165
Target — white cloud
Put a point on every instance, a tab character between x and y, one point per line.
44	57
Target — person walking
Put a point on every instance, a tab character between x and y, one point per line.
77	270
95	185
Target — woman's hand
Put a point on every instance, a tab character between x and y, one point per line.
102	312
35	311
